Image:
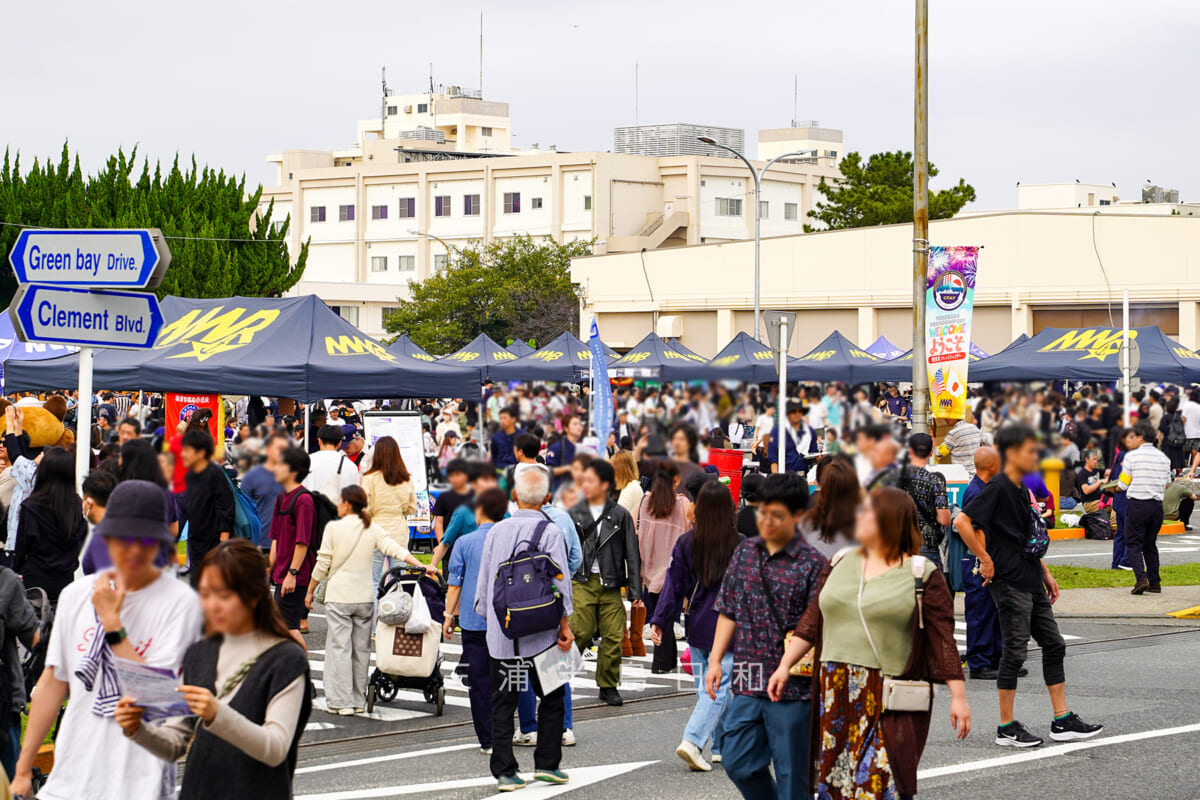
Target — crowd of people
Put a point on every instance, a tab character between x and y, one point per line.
815	603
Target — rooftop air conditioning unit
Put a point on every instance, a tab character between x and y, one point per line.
670	326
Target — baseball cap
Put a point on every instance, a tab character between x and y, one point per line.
136	510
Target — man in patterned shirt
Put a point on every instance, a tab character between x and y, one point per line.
928	491
770	581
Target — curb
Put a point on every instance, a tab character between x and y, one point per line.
1059	534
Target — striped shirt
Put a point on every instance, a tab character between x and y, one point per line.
1145	473
961	442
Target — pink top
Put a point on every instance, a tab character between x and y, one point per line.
656	538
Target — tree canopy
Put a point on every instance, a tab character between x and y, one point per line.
880	192
220	253
509	289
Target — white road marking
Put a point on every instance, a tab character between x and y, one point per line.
392	757
580	777
381	713
1052	752
319	726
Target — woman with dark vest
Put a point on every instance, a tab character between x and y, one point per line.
246	685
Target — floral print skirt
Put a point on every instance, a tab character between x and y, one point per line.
854	762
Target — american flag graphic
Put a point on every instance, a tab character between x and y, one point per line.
939	382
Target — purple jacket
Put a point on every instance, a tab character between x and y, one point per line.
680	584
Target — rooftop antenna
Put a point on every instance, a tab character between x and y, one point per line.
635	92
795	98
383	102
481	53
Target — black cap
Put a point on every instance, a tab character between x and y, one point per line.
921	444
136	510
793	407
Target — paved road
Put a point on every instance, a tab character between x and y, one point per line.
1141	688
1181	548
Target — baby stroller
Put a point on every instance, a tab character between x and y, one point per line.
32	663
406	660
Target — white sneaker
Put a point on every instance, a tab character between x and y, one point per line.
525	739
692	756
590	654
568	738
487	751
345	712
716	758
680	633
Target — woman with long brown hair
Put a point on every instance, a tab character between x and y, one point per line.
828	525
661	520
698	563
246	685
883	628
390	495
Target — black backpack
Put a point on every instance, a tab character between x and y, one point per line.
1176	435
324	512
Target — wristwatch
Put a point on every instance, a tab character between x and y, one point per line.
114	638
293	572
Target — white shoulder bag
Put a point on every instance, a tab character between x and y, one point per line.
901	695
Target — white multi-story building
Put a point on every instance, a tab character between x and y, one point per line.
803	136
420	183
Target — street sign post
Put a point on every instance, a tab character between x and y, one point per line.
102	258
87	318
780	326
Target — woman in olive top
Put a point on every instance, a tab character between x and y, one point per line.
866	626
390	496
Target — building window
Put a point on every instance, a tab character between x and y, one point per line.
378	263
422	108
387	311
408	207
833	153
729	207
345	213
764	209
512	202
348	313
485	131
441	205
791	211
391	111
587	202
440	260
1105	202
471	205
316	214
406	263
378	212
277	226
535	203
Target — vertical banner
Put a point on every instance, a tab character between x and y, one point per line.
180	407
602	404
949	298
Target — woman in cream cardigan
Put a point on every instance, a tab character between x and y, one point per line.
390	496
347	548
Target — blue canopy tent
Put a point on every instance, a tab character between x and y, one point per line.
13	348
481	355
1089	354
566	359
882	348
835	359
649	357
744	359
293	347
519	348
899	370
405	348
976	351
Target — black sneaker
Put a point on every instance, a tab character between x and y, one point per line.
1071	727
1014	734
611	697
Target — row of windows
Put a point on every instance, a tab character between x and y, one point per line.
732	207
350	313
407	263
407	207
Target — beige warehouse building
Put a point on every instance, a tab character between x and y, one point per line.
1038	269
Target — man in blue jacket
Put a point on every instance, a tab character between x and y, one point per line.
799	440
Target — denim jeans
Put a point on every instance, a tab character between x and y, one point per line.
760	734
527	708
705	722
12	746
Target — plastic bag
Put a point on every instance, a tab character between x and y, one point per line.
395	607
420	620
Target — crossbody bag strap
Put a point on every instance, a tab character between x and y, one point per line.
762	574
918	571
349	553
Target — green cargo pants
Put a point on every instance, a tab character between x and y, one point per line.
599	610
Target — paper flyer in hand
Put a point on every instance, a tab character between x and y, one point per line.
152	688
555	667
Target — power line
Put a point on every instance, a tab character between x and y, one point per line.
178	238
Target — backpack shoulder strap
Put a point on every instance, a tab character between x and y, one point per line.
918	571
840	554
540	531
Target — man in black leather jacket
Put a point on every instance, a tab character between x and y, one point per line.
611	561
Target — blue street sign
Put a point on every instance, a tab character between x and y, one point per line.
123	259
99	317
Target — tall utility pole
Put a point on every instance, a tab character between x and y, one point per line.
920	379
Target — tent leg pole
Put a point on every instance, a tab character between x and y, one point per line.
307	425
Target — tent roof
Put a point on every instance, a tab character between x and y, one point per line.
899	370
743	359
519	348
14	348
883	348
648	358
1089	354
480	355
835	359
406	348
564	359
293	347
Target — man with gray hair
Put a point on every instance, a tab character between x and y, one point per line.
512	670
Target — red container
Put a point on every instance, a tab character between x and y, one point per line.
729	465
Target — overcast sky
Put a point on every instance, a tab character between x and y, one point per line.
1031	91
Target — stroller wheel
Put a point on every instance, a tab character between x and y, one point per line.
441	701
387	689
372	690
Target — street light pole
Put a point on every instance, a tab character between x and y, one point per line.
757	176
920	375
436	238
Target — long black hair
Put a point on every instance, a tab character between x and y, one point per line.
715	536
661	500
139	462
54	489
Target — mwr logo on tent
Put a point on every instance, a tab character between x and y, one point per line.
821	356
1097	343
550	355
356	346
213	332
